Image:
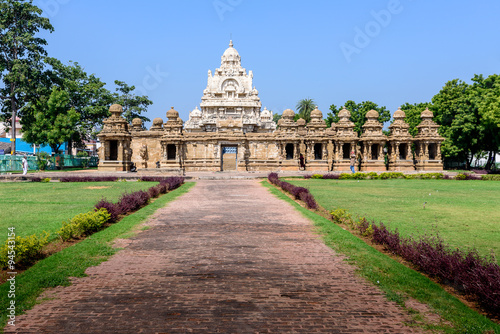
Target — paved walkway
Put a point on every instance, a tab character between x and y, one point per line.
227	257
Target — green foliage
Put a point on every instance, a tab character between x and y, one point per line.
42	159
276	117
304	108
391	175
412	115
469	116
317	176
86	93
54	121
21	52
491	177
133	105
460	177
46	180
83	224
358	113
26	250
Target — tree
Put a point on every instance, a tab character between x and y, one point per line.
87	96
304	108
413	112
54	121
276	117
20	55
486	96
132	105
457	114
358	113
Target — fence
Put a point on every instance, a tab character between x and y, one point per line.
13	163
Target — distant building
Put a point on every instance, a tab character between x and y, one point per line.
231	132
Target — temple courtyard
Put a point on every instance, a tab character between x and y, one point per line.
226	257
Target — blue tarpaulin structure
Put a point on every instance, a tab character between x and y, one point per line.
24	147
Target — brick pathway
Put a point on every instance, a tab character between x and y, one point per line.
227	257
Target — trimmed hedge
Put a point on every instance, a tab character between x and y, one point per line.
84	224
398	175
24	251
466	271
298	192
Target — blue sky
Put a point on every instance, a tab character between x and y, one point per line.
389	52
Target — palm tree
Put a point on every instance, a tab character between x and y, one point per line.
304	108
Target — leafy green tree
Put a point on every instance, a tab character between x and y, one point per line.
87	96
413	112
132	105
457	114
358	113
304	108
54	121
21	55
486	96
276	117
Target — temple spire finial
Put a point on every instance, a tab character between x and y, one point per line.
231	43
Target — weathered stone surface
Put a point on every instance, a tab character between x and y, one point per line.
230	114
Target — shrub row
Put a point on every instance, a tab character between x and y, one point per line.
83	224
29	249
398	175
298	192
88	179
467	271
24	251
136	200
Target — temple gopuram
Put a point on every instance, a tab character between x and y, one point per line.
230	132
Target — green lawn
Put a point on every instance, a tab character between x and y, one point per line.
466	213
37	207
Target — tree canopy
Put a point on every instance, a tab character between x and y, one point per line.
21	54
304	108
413	112
469	116
54	121
133	105
358	113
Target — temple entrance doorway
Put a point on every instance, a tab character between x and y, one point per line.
229	158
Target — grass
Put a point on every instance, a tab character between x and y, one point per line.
36	207
465	213
73	261
397	281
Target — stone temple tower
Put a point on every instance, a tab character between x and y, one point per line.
230	102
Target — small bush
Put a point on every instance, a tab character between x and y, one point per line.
460	177
296	191
27	250
84	224
307	198
133	201
88	179
36	179
331	176
111	208
345	176
317	176
307	176
391	175
491	177
372	175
